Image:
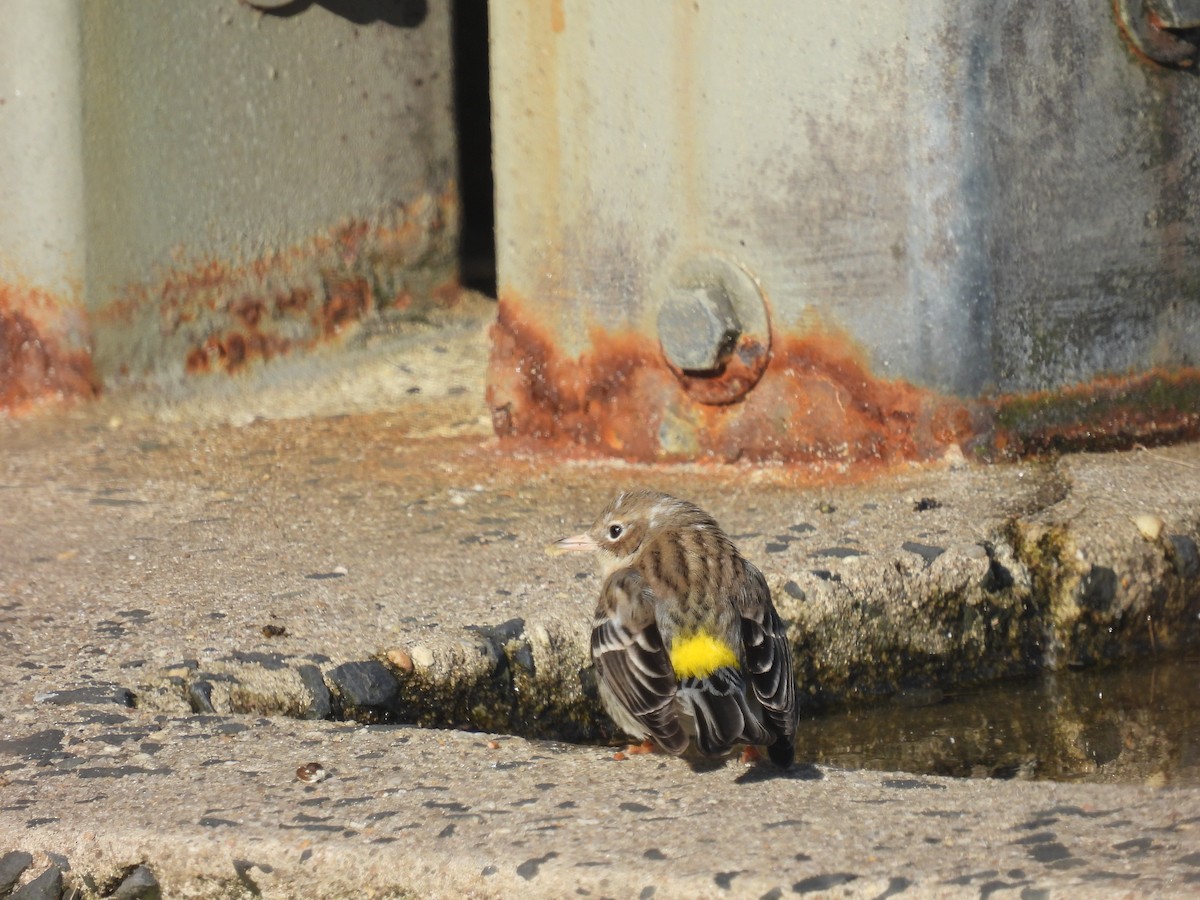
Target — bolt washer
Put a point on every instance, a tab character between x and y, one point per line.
747	359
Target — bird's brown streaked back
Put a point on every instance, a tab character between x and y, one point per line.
686	639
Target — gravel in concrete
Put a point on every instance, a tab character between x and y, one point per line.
213	806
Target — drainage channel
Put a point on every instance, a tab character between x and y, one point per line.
1137	723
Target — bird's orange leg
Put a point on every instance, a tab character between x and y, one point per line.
646	746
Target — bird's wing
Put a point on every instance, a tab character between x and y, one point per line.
769	663
631	660
720	713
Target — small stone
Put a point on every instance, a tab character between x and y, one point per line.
340	570
47	886
927	552
272	631
493	745
12	864
364	684
140	884
321	704
422	657
539	636
953	457
1150	525
199	697
312	773
400	659
1184	554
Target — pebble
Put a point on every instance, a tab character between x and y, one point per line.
366	684
400	658
311	773
1150	525
953	457
140	884
422	657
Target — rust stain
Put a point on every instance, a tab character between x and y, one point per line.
35	366
558	18
232	351
1156	407
348	300
736	377
216	316
816	402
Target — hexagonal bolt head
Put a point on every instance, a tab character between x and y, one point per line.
698	328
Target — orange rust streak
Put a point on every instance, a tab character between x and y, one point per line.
34	367
231	317
816	402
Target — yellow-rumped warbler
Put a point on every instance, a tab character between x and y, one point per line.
686	640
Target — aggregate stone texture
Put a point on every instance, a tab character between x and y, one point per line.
212	806
192	613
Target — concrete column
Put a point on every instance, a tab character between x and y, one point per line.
43	329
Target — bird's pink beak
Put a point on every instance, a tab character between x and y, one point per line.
581	543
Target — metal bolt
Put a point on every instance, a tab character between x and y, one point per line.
1166	31
698	328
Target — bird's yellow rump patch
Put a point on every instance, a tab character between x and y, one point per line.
700	654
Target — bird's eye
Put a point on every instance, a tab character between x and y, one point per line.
614	531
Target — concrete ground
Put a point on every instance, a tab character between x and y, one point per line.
200	598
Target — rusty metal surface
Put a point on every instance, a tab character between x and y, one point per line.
44	333
257	183
219	317
39	361
989	201
816	402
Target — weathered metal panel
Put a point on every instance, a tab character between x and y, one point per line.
258	182
193	187
938	204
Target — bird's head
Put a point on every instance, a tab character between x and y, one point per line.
627	525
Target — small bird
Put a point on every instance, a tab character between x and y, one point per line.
686	641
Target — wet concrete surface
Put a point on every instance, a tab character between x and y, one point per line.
1136	723
191	595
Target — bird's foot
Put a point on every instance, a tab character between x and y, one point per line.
750	755
646	746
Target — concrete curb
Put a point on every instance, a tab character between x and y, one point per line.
213	807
